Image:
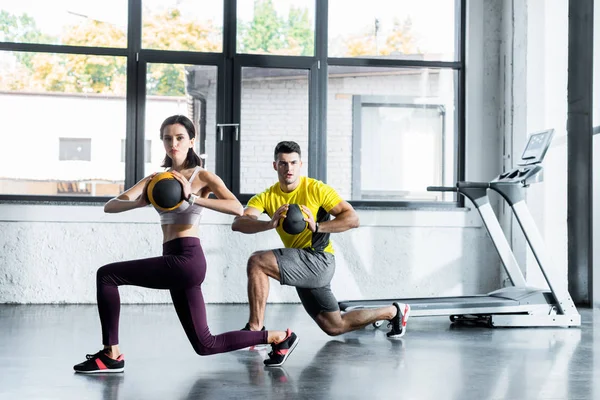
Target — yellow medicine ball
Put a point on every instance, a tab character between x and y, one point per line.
165	192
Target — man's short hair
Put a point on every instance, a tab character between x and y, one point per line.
287	147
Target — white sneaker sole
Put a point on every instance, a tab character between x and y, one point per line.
103	371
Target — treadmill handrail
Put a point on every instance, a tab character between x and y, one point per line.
472	185
442	189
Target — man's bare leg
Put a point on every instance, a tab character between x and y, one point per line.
261	266
335	323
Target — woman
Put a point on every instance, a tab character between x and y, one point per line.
182	267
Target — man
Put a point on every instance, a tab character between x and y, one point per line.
307	261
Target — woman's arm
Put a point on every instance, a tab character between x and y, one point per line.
129	199
225	202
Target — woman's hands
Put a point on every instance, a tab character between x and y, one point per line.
185	184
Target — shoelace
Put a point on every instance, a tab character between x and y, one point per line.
273	349
391	324
272	353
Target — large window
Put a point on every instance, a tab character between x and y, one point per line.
394	99
69	112
373	93
390	132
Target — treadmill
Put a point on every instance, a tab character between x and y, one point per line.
518	305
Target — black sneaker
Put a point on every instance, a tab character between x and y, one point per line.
281	351
247	327
100	363
398	323
257	346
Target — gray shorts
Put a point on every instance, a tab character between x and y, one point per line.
310	272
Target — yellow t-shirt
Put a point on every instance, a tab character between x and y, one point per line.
319	197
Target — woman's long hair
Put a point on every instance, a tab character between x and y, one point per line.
192	159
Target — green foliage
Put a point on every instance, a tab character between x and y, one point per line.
169	31
21	28
300	31
263	34
269	33
165	80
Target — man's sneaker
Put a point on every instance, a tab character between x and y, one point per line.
257	346
281	351
398	323
100	363
247	327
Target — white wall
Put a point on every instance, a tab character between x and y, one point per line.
50	252
546	77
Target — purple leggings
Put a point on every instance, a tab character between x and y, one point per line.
181	269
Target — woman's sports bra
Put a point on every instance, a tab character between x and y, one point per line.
185	214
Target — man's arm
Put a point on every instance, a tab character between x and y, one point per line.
249	223
345	218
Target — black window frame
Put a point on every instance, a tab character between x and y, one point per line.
227	168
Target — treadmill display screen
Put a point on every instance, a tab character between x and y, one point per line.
536	147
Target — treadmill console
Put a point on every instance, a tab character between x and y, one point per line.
533	155
536	147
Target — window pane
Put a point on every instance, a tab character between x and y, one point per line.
72	110
390	132
182	25
397	29
274	108
280	27
64	22
189	90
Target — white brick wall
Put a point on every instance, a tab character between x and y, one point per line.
50	254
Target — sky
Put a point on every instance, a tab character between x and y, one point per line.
433	20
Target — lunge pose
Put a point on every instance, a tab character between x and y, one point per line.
307	261
182	267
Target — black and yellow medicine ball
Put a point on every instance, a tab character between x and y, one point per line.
294	222
165	192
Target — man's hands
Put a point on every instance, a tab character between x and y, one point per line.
281	214
310	219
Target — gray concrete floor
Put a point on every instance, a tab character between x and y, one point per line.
39	344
